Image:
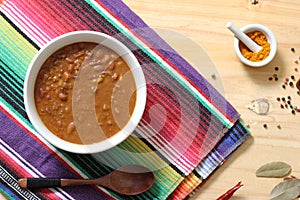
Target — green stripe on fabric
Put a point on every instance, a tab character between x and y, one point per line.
8	79
6	194
18	52
244	126
222	118
15	49
10	96
24	120
168	177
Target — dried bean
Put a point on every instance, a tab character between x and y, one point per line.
63	96
42	93
105	107
78	54
114	76
70	60
66	76
70	128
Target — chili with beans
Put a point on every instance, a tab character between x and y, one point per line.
114	98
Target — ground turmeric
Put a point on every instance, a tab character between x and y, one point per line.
262	41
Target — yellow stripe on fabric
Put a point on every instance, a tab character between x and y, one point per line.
140	152
143	153
18	50
186	187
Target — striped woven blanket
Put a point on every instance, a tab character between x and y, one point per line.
200	128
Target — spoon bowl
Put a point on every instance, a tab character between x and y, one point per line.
128	180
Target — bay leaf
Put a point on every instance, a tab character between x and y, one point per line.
274	170
286	190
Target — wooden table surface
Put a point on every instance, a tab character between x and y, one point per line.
203	21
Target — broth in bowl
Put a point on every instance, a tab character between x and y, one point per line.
85	93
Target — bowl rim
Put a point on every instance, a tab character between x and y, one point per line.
49	49
271	38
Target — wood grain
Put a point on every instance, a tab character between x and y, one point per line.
204	22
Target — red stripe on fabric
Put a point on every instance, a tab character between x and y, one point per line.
26	27
49	150
42	19
185	187
13	165
166	60
170	130
40	142
22	173
30	13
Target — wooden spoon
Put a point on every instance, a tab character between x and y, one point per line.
128	180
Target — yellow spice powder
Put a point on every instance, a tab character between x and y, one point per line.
262	41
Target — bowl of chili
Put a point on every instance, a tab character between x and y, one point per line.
84	92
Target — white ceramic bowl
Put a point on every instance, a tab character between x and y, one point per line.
48	50
271	39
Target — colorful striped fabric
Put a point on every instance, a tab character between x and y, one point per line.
200	130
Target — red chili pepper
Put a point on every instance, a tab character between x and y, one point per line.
288	178
230	192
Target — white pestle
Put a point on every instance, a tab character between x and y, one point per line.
243	37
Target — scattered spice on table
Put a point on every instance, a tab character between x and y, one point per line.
293	50
298	84
279	126
213	76
261	40
227	195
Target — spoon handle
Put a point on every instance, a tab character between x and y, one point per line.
36	183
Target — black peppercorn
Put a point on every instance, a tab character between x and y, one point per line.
276	68
278	126
293	50
265	126
293	112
